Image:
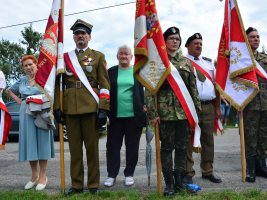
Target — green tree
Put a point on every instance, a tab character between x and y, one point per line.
32	40
10	54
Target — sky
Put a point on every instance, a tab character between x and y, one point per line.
114	26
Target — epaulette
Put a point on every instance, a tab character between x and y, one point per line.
207	59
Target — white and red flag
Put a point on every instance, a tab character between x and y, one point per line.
51	60
236	68
5	124
152	65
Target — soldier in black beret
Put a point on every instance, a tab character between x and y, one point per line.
86	102
172	31
210	104
193	37
250	29
255	117
174	126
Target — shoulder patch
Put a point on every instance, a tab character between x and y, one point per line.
207	59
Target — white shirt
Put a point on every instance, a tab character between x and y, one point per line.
206	89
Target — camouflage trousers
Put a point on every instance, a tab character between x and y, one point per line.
173	136
255	130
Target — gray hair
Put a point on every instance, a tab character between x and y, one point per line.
125	47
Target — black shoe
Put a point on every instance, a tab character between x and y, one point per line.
212	178
73	191
169	191
93	190
188	179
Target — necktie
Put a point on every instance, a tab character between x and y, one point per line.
196	58
81	51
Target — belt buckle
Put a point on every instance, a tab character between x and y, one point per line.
78	84
263	85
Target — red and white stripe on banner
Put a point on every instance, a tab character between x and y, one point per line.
5	124
181	92
73	64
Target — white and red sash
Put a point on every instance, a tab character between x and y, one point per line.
260	71
201	69
5	124
186	101
217	123
74	66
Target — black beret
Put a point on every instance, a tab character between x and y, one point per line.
193	37
82	26
171	31
250	29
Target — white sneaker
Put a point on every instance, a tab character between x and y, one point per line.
129	181
236	125
109	182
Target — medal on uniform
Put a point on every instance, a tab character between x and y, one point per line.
89	68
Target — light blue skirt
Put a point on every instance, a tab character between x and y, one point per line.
34	143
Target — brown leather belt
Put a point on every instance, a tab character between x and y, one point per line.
78	84
206	102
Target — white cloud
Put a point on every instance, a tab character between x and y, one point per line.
114	27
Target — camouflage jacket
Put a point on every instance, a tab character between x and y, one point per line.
169	107
260	101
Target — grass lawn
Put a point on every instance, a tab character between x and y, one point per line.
135	195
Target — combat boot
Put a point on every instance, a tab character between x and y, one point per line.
169	189
261	169
179	185
251	177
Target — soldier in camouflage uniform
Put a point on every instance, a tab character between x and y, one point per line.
255	118
85	105
174	126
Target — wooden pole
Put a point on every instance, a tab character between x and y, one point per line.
242	145
61	136
157	145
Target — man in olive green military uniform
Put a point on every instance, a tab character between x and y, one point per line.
255	117
85	102
210	104
174	126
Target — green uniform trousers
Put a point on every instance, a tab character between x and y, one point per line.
81	129
173	136
206	123
255	129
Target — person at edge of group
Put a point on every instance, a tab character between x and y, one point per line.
225	109
255	118
210	104
36	145
127	117
174	126
85	105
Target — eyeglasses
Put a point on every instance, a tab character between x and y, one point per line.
173	39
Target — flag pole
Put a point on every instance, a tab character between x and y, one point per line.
61	136
242	145
157	145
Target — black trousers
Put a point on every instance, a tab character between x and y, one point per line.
122	128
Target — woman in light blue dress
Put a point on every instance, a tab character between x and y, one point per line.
36	145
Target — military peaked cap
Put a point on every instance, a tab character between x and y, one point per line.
171	31
193	37
250	29
82	26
